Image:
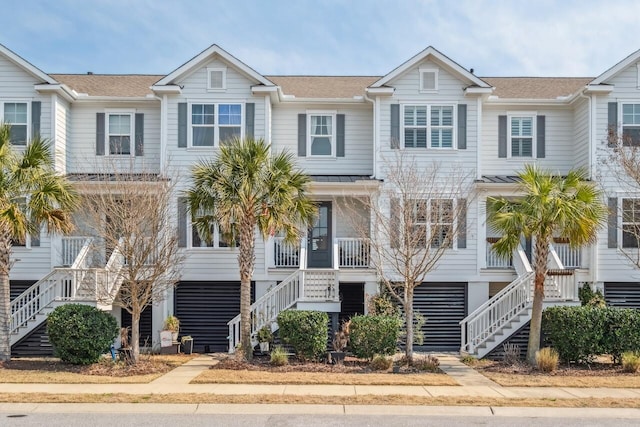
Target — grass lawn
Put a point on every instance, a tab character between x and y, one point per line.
228	376
53	371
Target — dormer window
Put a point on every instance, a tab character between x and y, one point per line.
428	80
216	79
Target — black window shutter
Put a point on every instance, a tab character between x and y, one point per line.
36	108
302	135
502	136
462	223
395	126
462	126
540	137
182	222
182	124
612	123
249	118
340	135
612	232
100	134
139	134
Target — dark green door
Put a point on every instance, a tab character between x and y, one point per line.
319	239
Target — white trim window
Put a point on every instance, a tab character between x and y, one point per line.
433	222
17	114
217	240
522	131
430	126
428	80
120	131
631	124
216	79
630	223
322	134
212	124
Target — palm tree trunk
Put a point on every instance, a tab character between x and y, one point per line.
408	314
5	298
246	259
542	255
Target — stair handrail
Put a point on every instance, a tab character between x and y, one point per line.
266	308
81	258
111	274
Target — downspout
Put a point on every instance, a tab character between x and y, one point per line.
375	133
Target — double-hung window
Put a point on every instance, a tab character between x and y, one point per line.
631	124
322	134
429	126
630	223
521	135
119	133
217	239
16	114
213	124
432	223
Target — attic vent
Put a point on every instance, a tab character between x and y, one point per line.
216	78
428	80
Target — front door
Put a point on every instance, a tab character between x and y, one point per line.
319	239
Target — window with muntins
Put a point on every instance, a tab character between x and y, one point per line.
16	113
434	132
119	133
521	135
213	124
630	223
631	124
441	216
321	135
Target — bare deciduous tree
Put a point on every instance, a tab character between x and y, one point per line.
416	216
129	213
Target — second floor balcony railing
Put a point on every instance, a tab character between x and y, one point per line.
352	252
493	260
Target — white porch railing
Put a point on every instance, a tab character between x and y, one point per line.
285	254
353	252
494	261
302	285
71	246
570	257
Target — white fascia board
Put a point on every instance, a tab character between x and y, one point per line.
634	57
166	89
59	89
478	90
203	56
272	91
518	101
380	91
431	51
25	65
324	100
88	98
597	88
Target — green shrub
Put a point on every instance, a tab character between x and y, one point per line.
590	298
80	334
381	363
622	332
279	356
382	304
547	359
630	361
371	335
305	331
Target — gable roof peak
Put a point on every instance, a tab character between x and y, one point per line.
26	65
630	59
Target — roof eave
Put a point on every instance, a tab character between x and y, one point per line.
58	89
166	89
380	91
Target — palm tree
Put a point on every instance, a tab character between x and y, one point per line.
31	194
551	205
243	188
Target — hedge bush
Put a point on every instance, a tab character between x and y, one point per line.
372	335
306	331
582	333
80	334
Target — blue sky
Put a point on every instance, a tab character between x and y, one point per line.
324	37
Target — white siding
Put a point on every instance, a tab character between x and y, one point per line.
62	129
581	134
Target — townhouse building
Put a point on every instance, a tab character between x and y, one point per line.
340	129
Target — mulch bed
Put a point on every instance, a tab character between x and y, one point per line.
597	369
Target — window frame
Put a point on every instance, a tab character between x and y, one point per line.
216	122
223	70
322	113
621	231
534	134
622	124
216	238
132	127
422	72
429	127
427	221
3	103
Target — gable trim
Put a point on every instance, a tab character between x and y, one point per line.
430	51
197	61
629	60
25	65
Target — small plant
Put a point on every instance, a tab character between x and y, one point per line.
382	305
381	363
590	298
547	359
341	337
306	331
469	360
631	361
426	363
185	338
511	353
171	323
371	335
265	334
279	356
